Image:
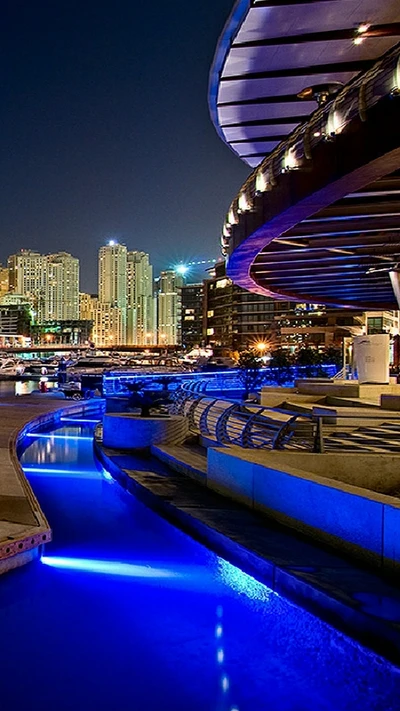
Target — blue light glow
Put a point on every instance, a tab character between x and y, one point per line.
53	436
106	475
182	269
225	682
107	567
220	655
79	421
87	473
242	582
218	631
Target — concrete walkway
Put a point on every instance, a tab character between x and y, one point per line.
353	599
23	526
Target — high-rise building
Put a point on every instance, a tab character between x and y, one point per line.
112	274
62	289
192	315
169	307
87	305
141	330
110	314
109	325
237	319
50	283
4	280
28	276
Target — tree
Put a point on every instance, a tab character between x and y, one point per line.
307	358
249	365
146	400
332	356
281	363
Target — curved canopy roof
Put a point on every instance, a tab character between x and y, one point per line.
272	50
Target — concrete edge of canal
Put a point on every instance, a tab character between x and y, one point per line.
24	528
328	589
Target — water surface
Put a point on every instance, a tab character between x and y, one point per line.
128	613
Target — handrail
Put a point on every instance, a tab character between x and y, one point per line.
257	427
247	426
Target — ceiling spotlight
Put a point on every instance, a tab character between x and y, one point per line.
320	93
358	40
317	134
363	28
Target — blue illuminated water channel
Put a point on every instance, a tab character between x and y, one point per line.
126	612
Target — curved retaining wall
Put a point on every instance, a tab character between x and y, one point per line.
292	489
23	525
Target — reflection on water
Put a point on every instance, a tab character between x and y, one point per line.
126	612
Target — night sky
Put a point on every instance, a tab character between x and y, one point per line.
105	131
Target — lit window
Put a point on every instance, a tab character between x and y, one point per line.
210	313
210	331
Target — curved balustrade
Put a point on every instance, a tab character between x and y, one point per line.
318	220
354	100
248	426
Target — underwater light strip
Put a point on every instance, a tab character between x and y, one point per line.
70	472
107	567
51	436
79	421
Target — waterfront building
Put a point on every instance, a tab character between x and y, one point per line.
112	274
140	317
192	315
87	305
62	293
236	319
169	300
70	332
111	308
12	299
109	325
49	282
15	323
4	280
28	276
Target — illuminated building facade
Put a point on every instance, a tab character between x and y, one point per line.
169	311
140	318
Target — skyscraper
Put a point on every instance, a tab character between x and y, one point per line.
110	315
112	274
28	276
50	283
169	307
62	288
141	329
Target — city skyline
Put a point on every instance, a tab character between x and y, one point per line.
192	271
105	134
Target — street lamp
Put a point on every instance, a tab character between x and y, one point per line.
261	346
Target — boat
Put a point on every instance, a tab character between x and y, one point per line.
11	367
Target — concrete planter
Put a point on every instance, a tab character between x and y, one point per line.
129	431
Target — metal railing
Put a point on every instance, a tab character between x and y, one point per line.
116	382
245	425
230	422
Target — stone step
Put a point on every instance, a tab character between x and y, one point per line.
182	459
